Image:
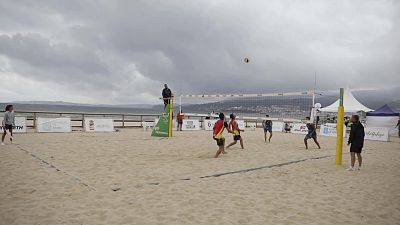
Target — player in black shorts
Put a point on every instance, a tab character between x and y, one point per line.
267	125
234	127
312	133
219	127
8	123
356	142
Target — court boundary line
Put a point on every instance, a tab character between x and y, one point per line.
250	169
81	182
262	167
77	179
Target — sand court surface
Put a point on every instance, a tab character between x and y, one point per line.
128	177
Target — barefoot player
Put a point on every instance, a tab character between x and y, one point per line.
234	127
267	125
312	133
219	127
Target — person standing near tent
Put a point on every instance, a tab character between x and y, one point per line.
166	94
356	142
312	133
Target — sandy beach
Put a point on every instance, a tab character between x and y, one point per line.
128	177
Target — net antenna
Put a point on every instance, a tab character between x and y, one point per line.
313	109
315	86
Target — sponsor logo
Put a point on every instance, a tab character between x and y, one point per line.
375	134
91	125
14	127
329	130
301	128
190	125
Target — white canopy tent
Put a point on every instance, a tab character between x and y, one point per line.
350	103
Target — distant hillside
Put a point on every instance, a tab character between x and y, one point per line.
81	108
61	103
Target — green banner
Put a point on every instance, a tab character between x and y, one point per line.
162	127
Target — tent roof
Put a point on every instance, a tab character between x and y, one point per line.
350	103
385	110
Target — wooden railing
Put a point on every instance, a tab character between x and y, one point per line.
121	120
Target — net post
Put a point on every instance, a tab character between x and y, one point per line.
171	110
339	129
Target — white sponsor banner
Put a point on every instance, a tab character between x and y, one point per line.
98	124
383	121
19	122
330	130
241	124
50	125
191	125
209	124
277	126
376	133
299	128
148	124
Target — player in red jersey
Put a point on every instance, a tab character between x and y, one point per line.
219	127
234	127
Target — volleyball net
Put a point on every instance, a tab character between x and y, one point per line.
294	105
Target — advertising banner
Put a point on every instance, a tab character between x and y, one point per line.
376	133
388	122
50	125
277	126
98	124
209	124
299	128
330	130
161	129
191	125
19	127
241	124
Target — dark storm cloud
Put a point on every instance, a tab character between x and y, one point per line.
124	50
39	52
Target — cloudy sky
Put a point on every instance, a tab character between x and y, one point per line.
117	52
